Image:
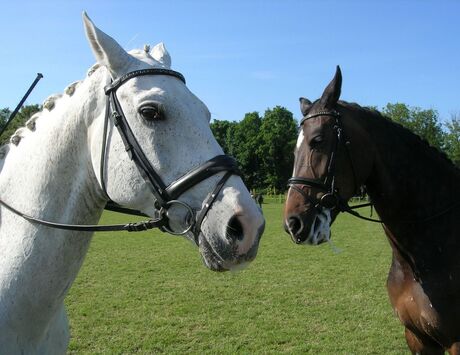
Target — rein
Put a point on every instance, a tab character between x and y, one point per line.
166	196
130	227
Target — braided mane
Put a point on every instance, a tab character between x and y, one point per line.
48	105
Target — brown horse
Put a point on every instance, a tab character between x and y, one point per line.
416	192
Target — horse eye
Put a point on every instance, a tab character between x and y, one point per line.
151	113
316	141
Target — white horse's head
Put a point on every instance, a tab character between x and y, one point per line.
171	126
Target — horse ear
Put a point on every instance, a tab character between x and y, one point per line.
160	54
332	92
305	105
106	50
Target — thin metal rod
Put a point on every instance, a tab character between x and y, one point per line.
18	107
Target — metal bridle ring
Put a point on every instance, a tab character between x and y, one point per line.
190	218
329	201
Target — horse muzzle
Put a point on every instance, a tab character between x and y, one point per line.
313	229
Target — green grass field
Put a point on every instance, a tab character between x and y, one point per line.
150	293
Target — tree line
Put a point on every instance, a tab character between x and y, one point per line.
264	145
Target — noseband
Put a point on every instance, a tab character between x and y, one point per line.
331	198
166	196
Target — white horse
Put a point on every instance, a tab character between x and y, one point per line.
52	171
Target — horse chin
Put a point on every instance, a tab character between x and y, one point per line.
320	230
218	257
210	257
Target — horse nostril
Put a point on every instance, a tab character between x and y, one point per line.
235	229
294	225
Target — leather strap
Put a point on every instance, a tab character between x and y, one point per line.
152	71
136	154
319	113
130	227
213	166
208	203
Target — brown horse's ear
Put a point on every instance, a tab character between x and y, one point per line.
305	105
332	92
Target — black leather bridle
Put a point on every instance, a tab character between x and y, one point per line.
331	198
166	196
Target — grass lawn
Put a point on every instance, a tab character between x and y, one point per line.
150	293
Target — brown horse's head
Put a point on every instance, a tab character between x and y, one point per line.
331	164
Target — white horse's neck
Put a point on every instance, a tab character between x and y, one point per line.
49	175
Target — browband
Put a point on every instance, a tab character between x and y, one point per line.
152	71
333	113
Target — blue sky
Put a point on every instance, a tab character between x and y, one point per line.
241	56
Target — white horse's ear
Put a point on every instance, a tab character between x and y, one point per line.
106	50
160	54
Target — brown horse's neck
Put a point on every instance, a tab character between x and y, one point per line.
410	181
415	190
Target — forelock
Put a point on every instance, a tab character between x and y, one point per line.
144	57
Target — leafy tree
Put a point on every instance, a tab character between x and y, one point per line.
4	115
398	112
278	134
241	139
23	115
263	146
452	139
246	139
221	129
425	123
